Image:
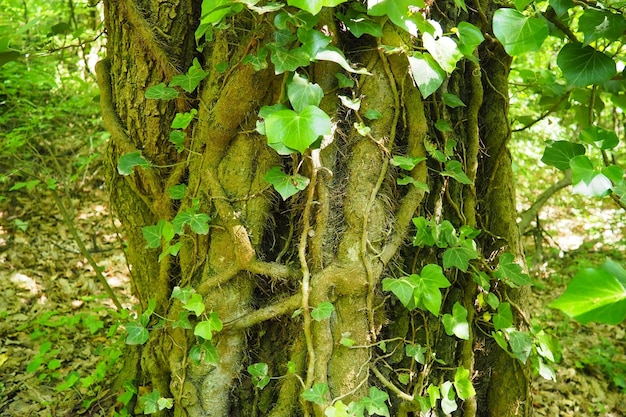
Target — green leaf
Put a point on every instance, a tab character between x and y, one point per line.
406	163
316	394
259	373
177	192
183	321
149	402
425	232
372	114
599	24
205	328
136	333
258	61
444	50
161	92
453	101
314	6
463	384
400	12
503	319
313	40
182	294
29	185
583	65
362	129
406	180
559	153
598	137
287	60
332	54
427	287
443	126
359	24
521	344
517	33
177	137
198	222
454	169
401	288
426	73
416	352
376	403
456	323
470	37
297	130
127	162
170	250
285	185
594	295
72	378
190	81
302	93
459	256
182	120
344	82
153	234
351	103
511	272
323	311
561	6
204	351
195	304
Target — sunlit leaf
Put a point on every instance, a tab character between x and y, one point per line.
444	50
598	137
601	24
511	272
286	60
286	185
303	93
426	73
503	319
136	333
323	311
127	162
297	130
456	323
182	120
463	384
518	33
400	12
161	92
314	6
560	153
332	54
316	394
470	37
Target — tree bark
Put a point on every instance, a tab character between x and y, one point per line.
265	259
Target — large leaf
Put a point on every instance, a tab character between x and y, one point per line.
399	12
286	60
559	153
427	287
598	137
426	73
297	130
303	93
519	34
358	23
583	65
463	384
594	295
314	6
459	256
470	37
444	50
598	24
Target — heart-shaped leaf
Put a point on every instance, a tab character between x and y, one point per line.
559	153
426	73
583	65
303	93
297	130
518	33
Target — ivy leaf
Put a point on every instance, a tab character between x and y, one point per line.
195	304
332	54
406	180
375	403
444	50
177	138
182	120
314	6
152	234
427	287
137	334
598	24
463	384
598	137
583	65
258	61
448	398
286	60
161	92
182	294
198	222
521	344
400	12
503	319
426	73
416	352
286	185
459	256
511	272
183	321
359	24
452	100
454	169
177	192
519	34
470	37
259	373
456	323
204	351
406	163
372	114
559	153
316	394
302	93
594	295
170	250
205	328
312	40
127	162
323	311
297	130
351	103
401	288
190	81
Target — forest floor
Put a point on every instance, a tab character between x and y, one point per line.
59	341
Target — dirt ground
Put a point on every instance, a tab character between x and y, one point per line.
58	340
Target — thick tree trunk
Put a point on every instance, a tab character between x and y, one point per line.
263	259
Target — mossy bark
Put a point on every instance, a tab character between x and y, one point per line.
264	259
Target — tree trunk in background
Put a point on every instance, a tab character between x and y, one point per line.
338	238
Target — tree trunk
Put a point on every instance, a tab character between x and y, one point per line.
265	263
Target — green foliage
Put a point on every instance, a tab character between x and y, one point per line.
518	33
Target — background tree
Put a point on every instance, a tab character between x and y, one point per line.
373	123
